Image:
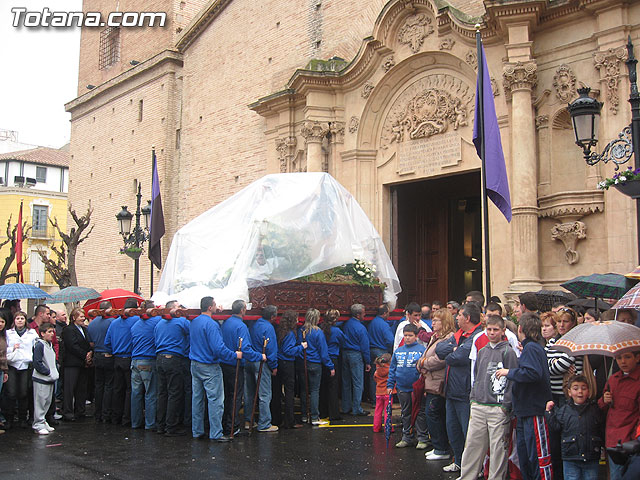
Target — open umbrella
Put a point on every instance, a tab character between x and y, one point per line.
74	294
597	285
589	303
18	291
600	338
117	297
631	299
547	298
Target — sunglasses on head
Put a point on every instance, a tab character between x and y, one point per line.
570	312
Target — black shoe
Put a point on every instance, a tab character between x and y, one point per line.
52	422
68	418
160	431
223	439
364	413
176	433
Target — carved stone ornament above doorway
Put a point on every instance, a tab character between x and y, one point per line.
414	30
430	106
569	233
564	81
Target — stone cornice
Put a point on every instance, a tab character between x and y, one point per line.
200	22
167	56
571	204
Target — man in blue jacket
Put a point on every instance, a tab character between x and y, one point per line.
455	352
234	329
172	349
260	332
118	343
143	371
380	341
355	360
206	352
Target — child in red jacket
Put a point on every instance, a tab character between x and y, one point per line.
620	400
382	398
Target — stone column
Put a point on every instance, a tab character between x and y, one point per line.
314	132
519	80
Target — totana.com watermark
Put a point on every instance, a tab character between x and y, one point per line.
46	18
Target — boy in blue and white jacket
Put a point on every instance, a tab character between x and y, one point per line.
45	374
402	374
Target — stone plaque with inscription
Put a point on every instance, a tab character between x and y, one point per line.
426	156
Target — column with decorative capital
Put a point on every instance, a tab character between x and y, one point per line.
313	133
519	80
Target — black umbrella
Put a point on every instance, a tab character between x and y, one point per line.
589	303
547	298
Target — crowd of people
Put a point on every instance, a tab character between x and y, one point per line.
479	385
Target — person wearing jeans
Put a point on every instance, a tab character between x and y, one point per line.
455	352
262	334
355	360
317	354
143	372
206	350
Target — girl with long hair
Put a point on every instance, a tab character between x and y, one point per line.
317	355
330	385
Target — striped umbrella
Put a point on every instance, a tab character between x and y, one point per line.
600	338
19	291
74	294
631	299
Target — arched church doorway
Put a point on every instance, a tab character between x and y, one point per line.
437	237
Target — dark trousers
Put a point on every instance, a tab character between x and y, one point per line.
330	391
186	365
170	407
75	392
533	448
229	378
555	441
285	378
121	398
17	389
103	385
435	412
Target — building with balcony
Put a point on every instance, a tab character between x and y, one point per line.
38	177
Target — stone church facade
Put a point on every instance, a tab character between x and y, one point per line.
380	94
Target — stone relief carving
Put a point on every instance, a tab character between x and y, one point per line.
314	131
337	132
414	30
494	87
564	81
388	63
608	63
569	234
542	121
366	90
428	107
519	75
354	123
447	44
286	148
472	59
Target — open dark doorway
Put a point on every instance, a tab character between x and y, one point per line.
437	238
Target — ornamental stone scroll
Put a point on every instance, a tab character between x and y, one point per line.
414	30
569	234
608	63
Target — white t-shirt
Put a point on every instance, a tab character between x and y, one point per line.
400	336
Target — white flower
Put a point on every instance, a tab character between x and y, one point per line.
622	178
360	272
616	182
373	267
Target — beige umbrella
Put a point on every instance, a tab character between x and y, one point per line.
600	338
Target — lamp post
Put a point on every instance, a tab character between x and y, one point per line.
134	240
585	114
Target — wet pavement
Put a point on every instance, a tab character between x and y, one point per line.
86	450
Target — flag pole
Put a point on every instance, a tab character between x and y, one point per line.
153	161
481	135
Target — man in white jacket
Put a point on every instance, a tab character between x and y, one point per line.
413	314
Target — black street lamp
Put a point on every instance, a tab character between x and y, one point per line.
134	240
585	114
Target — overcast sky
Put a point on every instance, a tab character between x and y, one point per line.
39	74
